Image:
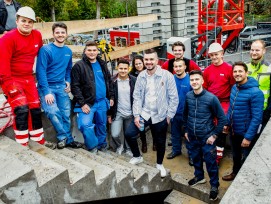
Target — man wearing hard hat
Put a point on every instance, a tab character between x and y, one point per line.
18	49
218	79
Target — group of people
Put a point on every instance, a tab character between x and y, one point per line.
203	107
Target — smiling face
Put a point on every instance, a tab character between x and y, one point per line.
257	51
179	68
123	70
150	61
178	52
60	35
91	52
196	81
24	25
239	74
139	65
216	58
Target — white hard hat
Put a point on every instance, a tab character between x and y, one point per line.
215	47
27	12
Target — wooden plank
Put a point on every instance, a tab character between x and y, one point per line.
83	26
122	52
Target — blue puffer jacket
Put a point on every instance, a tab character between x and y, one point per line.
199	113
245	111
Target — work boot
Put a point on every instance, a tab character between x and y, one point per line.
229	177
50	145
75	144
61	144
172	155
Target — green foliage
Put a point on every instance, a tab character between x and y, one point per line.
80	9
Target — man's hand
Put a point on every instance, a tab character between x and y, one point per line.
49	99
68	87
211	140
226	130
85	108
111	102
186	136
109	119
245	143
136	121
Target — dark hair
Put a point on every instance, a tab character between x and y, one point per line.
123	61
240	63
133	70
260	41
178	43
91	43
179	60
59	24
150	51
199	72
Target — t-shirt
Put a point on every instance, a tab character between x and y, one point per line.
99	81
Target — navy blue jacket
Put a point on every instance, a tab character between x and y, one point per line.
199	113
245	111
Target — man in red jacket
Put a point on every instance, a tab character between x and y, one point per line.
18	49
178	50
218	79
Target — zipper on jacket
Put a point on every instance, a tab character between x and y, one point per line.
234	100
195	117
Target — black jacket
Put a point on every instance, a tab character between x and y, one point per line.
114	108
83	82
4	14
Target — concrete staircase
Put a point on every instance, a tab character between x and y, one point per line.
36	174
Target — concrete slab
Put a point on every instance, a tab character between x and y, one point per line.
253	182
123	174
18	183
80	175
52	178
176	197
105	177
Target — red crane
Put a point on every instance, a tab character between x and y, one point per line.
215	19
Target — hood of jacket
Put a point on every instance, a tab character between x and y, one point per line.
251	82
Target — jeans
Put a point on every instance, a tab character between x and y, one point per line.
59	112
201	151
121	122
176	134
239	154
159	131
94	133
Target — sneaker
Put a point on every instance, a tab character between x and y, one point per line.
162	170
194	181
120	149
213	193
75	144
94	150
172	155
61	144
129	153
136	160
103	149
50	145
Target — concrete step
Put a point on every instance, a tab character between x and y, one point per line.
51	177
124	175
176	197
80	175
105	177
155	181
140	175
18	183
200	191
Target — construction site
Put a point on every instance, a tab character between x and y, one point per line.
37	174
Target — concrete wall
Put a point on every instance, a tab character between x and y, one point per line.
253	182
